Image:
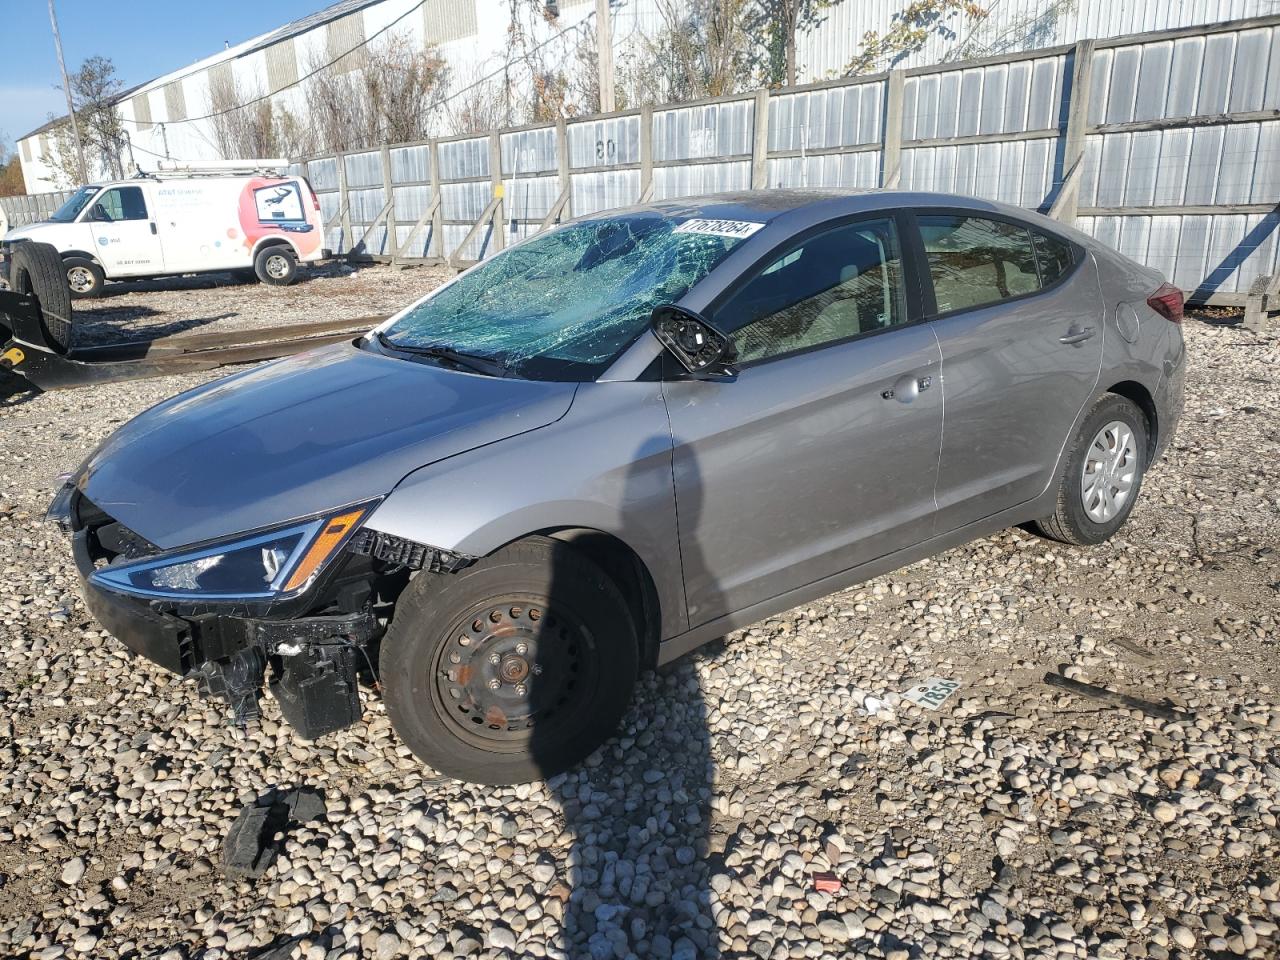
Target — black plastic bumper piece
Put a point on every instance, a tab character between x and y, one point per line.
317	689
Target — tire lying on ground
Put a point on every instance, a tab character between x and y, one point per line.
37	268
276	265
85	278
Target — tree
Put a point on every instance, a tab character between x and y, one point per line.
95	91
910	30
394	97
781	20
248	125
705	48
11	182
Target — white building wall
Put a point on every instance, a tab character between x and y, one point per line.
823	50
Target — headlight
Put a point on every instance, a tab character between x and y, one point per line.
258	566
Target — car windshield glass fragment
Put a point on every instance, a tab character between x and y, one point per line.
75	203
566	303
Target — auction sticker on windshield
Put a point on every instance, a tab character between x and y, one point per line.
719	228
933	693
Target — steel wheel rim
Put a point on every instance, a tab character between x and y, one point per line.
507	668
1110	472
277	266
80	279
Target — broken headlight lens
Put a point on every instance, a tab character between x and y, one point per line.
255	567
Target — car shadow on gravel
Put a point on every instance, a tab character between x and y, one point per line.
636	880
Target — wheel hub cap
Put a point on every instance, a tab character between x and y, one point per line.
79	279
508	667
1110	472
277	267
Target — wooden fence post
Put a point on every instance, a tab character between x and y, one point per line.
1066	202
344	204
760	142
435	246
389	186
891	136
495	178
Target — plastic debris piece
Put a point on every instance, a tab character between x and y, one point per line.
257	834
932	693
827	883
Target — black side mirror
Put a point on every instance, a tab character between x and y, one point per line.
700	347
98	213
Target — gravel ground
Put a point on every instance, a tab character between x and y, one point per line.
223	302
1018	819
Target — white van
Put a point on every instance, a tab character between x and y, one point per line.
237	215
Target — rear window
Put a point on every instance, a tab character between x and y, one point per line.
974	261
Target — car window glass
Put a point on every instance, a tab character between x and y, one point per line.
838	284
975	261
1053	256
123	203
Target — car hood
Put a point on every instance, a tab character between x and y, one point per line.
298	437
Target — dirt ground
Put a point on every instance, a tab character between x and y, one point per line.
1019	819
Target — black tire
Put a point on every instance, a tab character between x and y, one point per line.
37	268
580	662
1071	522
85	278
276	265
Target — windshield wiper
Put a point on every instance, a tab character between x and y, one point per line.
489	366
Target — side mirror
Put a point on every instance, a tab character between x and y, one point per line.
98	213
700	347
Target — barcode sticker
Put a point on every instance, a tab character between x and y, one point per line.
739	229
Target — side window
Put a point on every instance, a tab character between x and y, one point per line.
1054	257
123	203
974	261
833	286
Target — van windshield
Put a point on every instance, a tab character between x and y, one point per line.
75	203
564	304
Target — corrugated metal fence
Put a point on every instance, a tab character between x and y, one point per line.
19	211
1165	145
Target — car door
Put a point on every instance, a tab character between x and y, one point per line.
1018	315
124	234
822	453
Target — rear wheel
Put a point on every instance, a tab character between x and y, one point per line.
513	669
85	278
276	265
1102	475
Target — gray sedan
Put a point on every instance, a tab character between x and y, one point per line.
616	441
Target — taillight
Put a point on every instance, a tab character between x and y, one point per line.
315	201
1167	301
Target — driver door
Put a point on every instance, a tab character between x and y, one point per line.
124	234
822	454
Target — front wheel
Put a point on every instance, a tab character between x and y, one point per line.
1102	475
276	265
85	278
513	669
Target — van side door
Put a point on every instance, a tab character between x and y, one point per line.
125	239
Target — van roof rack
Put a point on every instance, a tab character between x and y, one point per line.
218	168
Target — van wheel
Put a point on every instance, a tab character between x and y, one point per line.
510	670
37	268
85	278
1102	475
276	265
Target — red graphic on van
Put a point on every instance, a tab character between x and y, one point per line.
274	207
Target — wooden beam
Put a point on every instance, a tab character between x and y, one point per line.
891	135
1064	205
760	142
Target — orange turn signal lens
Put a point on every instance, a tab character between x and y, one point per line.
331	536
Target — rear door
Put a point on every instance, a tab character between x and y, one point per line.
823	452
1018	315
125	238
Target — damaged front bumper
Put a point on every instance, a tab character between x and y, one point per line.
309	662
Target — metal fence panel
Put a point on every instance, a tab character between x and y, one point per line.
711	130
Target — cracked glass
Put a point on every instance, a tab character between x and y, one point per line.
564	304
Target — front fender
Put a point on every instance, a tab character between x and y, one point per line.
605	466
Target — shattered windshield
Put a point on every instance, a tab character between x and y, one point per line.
564	304
75	203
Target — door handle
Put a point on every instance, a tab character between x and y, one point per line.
906	388
153	226
1076	335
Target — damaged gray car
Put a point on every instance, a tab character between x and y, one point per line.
618	440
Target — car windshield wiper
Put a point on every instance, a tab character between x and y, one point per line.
489	366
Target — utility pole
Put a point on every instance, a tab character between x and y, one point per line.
604	53
66	88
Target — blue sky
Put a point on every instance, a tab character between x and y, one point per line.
144	38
